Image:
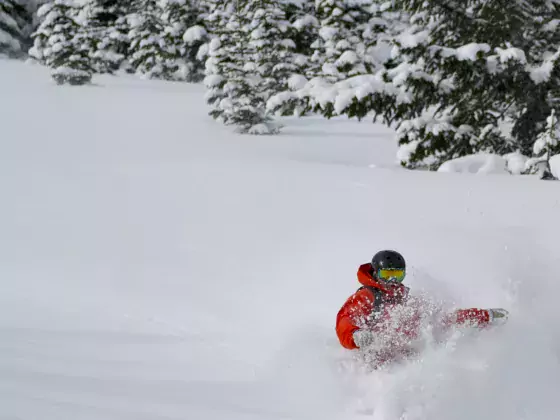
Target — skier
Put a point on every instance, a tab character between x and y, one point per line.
365	318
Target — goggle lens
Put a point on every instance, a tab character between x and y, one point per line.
396	275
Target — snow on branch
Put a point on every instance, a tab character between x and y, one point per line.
549	137
341	94
542	73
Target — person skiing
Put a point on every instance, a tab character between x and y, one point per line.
366	316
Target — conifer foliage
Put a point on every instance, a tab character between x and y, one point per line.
470	70
303	30
150	56
15	20
184	34
273	51
61	45
220	60
106	26
339	52
546	146
232	80
249	60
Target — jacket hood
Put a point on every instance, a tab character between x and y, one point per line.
365	277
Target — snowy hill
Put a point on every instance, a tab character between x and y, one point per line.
155	266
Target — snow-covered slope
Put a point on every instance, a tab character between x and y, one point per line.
155	266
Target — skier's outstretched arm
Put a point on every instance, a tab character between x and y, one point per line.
475	317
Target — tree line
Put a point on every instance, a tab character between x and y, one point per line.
452	78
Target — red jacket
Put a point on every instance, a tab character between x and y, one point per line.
357	312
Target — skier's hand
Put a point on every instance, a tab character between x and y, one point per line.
363	338
498	316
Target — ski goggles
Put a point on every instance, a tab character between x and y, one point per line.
391	274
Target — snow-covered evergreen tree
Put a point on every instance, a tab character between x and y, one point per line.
359	93
185	33
60	45
46	15
546	146
215	14
469	68
340	50
107	29
272	49
379	94
232	77
15	21
303	29
150	55
340	53
379	32
33	7
455	77
218	60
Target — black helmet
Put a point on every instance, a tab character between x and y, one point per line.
387	259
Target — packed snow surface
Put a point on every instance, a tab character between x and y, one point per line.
155	265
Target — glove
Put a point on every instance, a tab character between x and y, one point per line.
498	316
363	338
